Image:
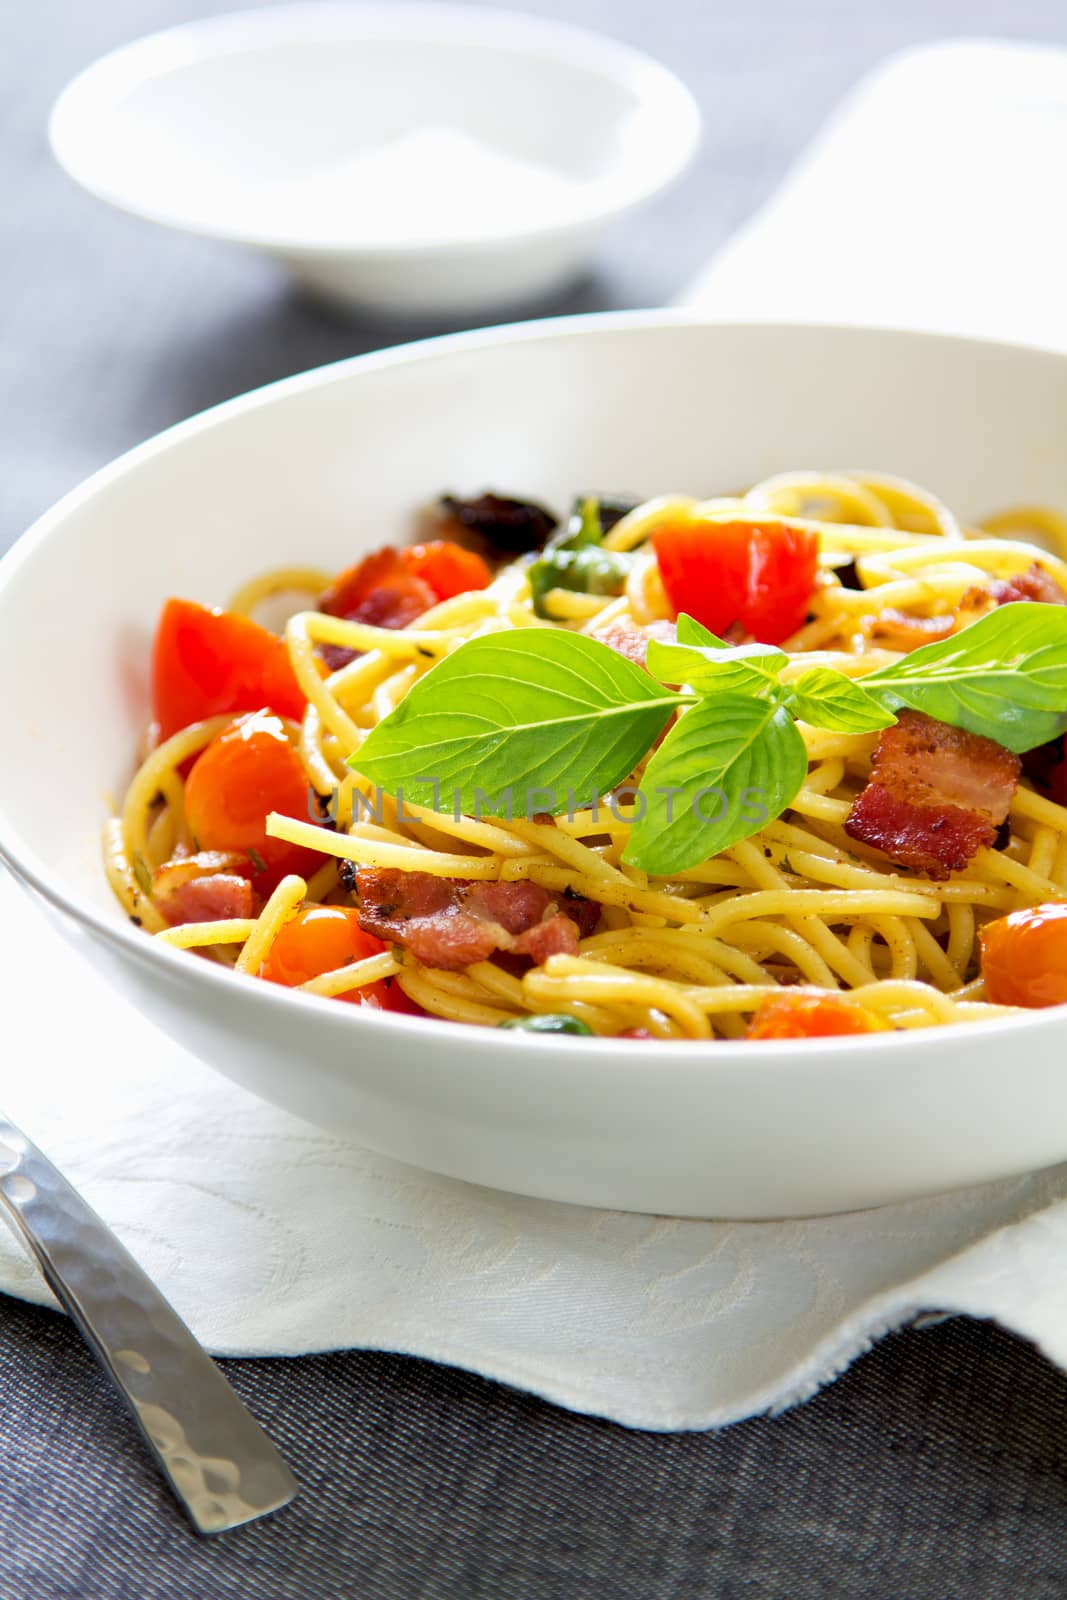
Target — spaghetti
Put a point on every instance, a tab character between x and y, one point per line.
802	907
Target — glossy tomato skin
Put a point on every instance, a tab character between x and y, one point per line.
758	576
321	939
806	1016
249	770
207	663
317	940
389	996
1024	957
448	568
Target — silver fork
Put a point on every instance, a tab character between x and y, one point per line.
214	1455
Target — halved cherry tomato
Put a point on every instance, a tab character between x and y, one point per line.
758	575
389	996
812	1016
323	938
318	940
1024	957
380	590
249	770
447	568
206	663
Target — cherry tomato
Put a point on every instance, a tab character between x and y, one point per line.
388	996
812	1016
380	590
250	769
318	940
1024	957
447	568
759	575
206	663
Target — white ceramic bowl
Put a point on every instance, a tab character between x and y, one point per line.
322	466
370	147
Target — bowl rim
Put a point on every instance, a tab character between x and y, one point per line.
842	1054
660	92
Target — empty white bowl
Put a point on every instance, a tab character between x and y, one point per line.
407	157
326	465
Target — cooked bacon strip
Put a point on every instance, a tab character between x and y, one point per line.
936	795
631	639
207	887
556	937
896	630
1033	584
451	924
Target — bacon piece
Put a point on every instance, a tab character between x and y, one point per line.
213	899
513	906
451	923
631	639
336	656
206	887
1033	584
897	631
183	866
556	937
936	795
381	591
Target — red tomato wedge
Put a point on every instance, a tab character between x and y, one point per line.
317	940
812	1016
1024	957
447	568
248	771
206	663
757	575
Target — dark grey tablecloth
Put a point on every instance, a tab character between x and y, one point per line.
937	1468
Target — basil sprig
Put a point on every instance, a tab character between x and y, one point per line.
535	711
554	720
575	558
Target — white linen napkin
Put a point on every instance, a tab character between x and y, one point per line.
272	1237
933	198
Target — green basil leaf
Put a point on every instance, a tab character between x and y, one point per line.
587	570
550	716
1004	676
746	669
827	699
690	631
767	659
725	769
584	525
